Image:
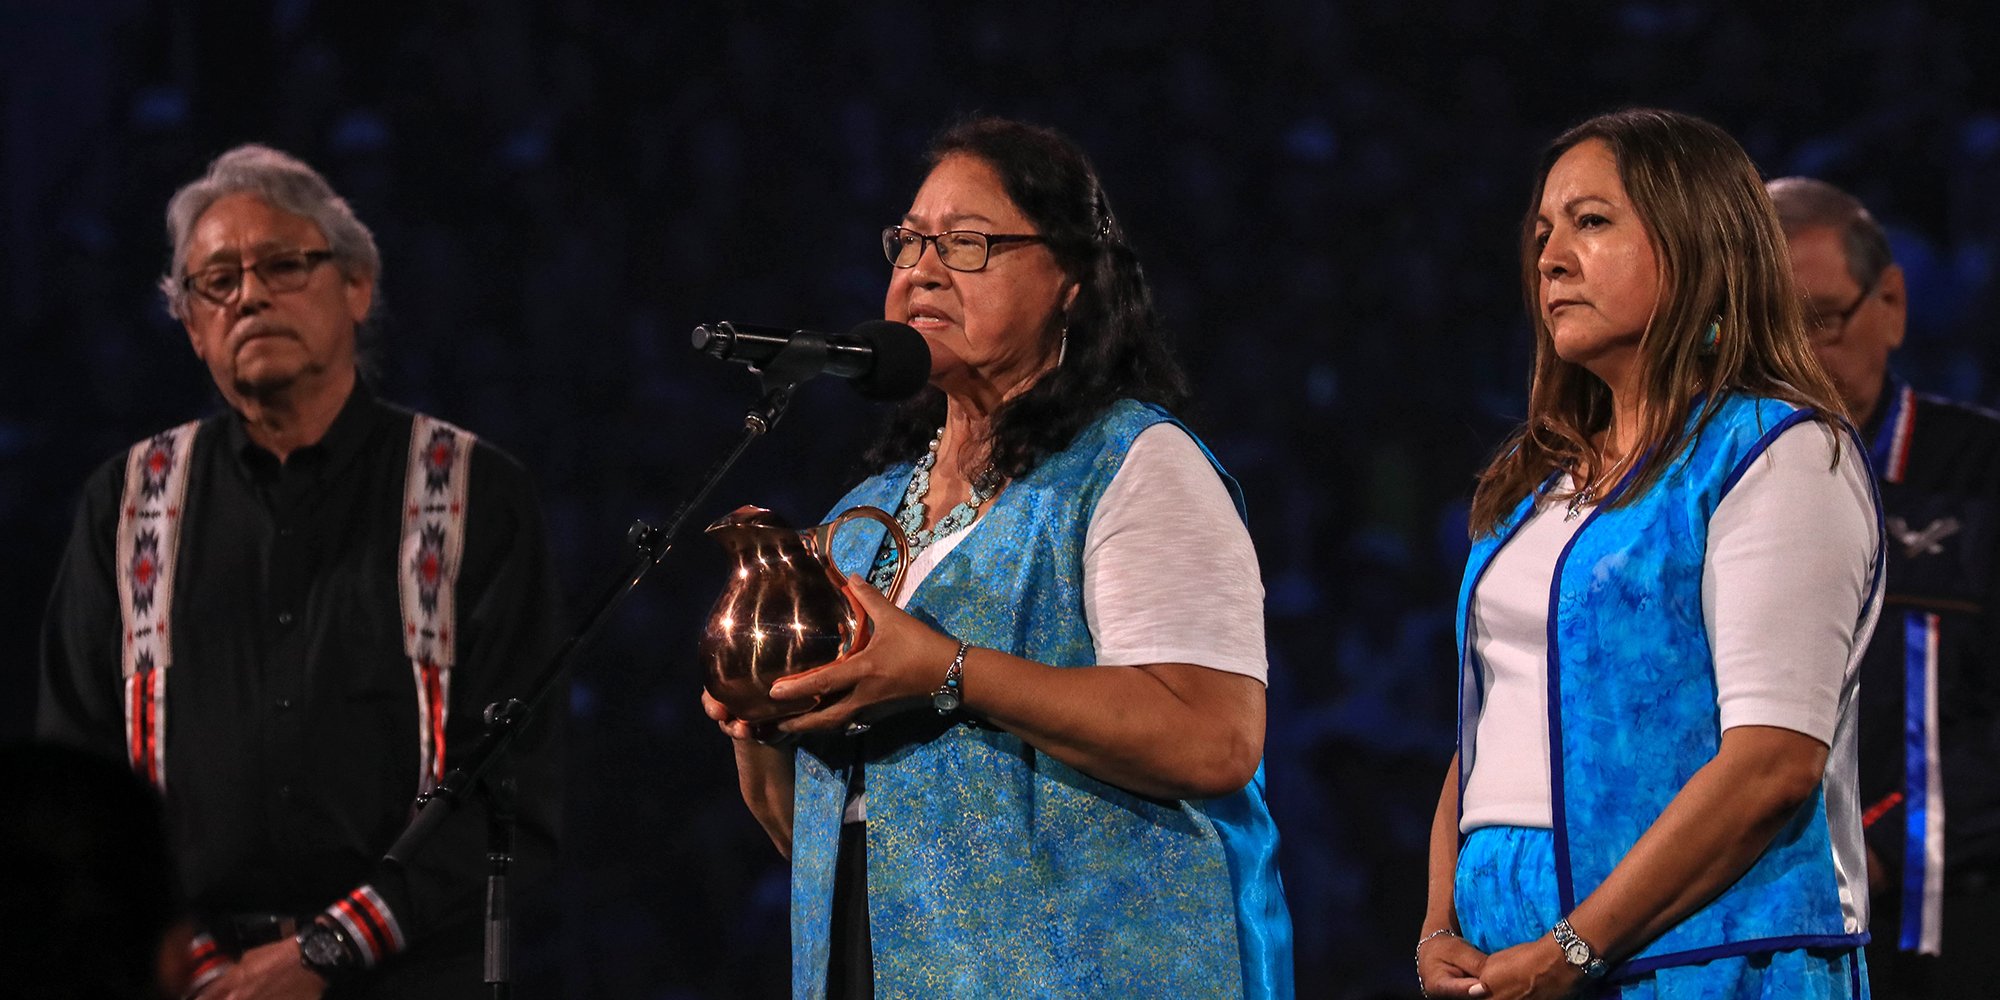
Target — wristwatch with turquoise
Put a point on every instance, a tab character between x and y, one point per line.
1577	952
950	694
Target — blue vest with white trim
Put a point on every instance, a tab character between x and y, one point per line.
1632	700
995	870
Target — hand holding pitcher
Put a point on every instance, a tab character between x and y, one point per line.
785	609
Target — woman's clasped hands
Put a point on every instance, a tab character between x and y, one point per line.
1450	968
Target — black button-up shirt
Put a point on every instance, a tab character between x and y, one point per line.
1943	518
292	733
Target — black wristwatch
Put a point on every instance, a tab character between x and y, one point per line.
323	948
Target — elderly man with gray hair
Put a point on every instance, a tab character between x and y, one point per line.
288	616
1930	681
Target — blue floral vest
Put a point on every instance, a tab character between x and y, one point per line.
1632	701
997	871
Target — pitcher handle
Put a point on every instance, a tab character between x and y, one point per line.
896	534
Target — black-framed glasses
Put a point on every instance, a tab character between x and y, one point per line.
280	272
958	249
1823	327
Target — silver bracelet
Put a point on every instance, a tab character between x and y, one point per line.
950	695
1426	939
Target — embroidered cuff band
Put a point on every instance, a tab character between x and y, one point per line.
208	961
370	925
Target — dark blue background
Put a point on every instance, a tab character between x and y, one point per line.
1326	197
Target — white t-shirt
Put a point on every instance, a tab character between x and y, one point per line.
1787	571
1169	574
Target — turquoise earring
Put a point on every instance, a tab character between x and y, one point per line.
1711	335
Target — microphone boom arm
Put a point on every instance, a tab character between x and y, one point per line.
803	356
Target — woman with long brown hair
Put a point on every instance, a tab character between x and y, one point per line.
1675	564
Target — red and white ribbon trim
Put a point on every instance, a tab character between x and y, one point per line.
433	542
1899	437
369	924
209	962
148	545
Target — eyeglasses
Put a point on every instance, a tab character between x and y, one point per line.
280	272
1824	328
958	249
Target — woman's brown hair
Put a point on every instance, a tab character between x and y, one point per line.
1723	261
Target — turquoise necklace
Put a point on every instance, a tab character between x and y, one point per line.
910	514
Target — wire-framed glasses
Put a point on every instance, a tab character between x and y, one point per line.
1823	327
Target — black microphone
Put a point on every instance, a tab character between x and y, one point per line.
884	359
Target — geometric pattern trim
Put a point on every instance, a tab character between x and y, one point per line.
149	531
433	541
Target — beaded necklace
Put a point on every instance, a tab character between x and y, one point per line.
910	514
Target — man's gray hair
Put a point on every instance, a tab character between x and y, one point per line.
1805	202
285	183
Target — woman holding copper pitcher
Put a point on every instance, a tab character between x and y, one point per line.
1041	775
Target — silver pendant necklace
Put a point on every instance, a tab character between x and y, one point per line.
1579	500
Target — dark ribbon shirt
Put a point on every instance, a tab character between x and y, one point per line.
1943	518
292	735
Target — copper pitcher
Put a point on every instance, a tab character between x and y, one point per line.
786	609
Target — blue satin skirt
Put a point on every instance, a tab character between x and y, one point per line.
1505	891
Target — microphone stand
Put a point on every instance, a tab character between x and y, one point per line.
779	378
498	794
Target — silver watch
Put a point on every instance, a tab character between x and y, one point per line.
1577	952
951	694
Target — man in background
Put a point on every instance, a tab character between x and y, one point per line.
1930	683
289	616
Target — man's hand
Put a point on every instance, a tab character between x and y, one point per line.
268	972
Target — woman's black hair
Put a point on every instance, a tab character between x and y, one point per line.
1115	348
